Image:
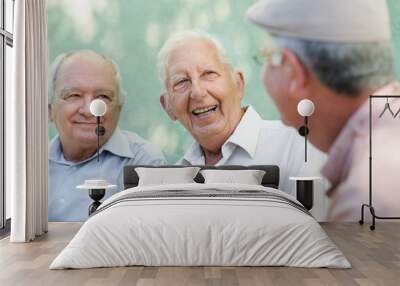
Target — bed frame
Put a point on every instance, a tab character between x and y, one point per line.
270	179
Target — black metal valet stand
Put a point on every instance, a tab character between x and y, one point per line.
370	204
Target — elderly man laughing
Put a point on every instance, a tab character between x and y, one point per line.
204	93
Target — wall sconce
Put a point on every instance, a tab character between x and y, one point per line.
305	108
305	184
98	108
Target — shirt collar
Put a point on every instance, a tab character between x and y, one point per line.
246	132
193	156
357	125
117	144
245	136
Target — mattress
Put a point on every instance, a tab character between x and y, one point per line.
201	225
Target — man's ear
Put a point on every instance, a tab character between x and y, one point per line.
49	109
239	78
165	105
120	107
298	75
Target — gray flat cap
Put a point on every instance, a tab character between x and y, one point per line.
342	21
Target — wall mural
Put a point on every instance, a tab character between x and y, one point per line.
129	34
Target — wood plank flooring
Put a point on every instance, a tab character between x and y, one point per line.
375	257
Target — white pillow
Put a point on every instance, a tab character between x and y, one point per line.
248	177
162	176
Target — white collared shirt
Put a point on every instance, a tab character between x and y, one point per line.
66	202
264	142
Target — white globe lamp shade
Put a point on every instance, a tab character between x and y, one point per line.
98	107
305	107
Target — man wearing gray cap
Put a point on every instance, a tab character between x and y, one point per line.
337	53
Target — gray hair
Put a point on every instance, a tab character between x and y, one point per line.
55	67
183	37
347	68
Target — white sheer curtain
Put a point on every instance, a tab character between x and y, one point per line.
26	123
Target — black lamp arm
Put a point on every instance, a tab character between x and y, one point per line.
98	136
305	138
100	131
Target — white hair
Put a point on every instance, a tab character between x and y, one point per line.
182	37
55	67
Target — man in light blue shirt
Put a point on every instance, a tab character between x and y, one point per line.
66	202
77	79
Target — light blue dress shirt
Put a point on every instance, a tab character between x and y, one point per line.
66	202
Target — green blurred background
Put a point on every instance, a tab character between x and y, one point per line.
132	31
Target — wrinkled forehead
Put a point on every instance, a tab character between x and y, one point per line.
86	71
193	55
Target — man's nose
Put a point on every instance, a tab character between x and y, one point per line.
198	91
84	108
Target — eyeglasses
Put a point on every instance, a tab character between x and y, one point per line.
272	56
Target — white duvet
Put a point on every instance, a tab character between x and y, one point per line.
183	231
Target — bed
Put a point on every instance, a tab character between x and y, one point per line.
201	224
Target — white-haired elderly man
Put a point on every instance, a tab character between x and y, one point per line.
203	92
77	79
337	53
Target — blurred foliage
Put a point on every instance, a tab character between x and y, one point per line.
132	31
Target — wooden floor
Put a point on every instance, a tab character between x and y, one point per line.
374	255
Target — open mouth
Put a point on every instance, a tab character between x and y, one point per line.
204	110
